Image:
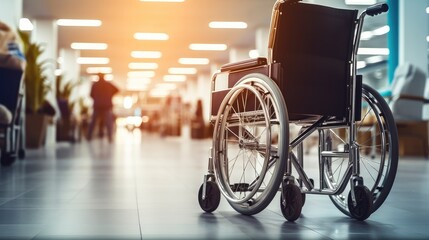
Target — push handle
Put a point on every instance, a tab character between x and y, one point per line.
377	9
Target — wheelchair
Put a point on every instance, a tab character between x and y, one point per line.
12	137
308	79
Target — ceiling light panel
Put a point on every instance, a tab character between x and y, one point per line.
361	2
25	24
88	46
194	61
174	78
79	22
141	74
92	60
138	65
151	36
95	70
373	51
207	47
234	25
146	54
182	70
162	0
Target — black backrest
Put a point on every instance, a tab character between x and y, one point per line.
313	45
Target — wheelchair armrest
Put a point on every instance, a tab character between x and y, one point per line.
248	63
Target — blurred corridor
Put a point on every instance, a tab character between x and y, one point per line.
144	186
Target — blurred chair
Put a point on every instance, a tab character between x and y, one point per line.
410	107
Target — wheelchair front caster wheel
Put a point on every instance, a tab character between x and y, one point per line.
362	209
212	199
291	202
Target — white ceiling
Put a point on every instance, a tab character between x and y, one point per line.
185	23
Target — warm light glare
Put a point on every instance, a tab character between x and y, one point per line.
166	86
79	22
253	53
108	77
139	81
142	74
88	46
236	25
162	0
208	47
25	24
58	72
151	36
174	78
95	70
182	70
373	51
92	60
159	93
128	102
146	54
194	61
138	65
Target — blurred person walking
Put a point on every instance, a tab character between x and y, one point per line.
102	93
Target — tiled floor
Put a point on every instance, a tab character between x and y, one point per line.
145	187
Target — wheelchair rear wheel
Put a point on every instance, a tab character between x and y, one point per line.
250	143
377	139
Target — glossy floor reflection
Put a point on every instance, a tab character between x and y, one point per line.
145	187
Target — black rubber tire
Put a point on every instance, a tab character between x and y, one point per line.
364	203
291	202
212	200
7	159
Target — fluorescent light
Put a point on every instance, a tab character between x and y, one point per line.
88	46
361	2
360	64
95	70
166	86
174	78
159	93
92	60
427	10
194	61
374	59
108	77
208	47
79	22
138	65
373	51
427	38
381	30
141	74
138	81
146	54
236	25
162	0
25	24
182	70
366	35
253	53
151	36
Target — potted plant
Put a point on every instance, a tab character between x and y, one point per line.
66	124
39	112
